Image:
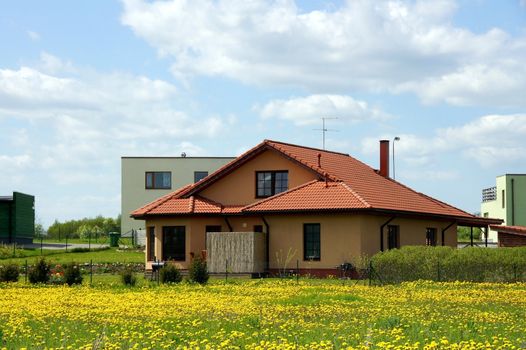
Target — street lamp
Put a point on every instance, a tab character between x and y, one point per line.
395	139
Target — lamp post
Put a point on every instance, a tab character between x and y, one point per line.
394	140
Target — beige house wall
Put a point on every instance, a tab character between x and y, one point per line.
239	187
344	237
133	172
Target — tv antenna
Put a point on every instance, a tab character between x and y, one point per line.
324	129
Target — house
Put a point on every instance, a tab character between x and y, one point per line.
510	236
17	218
506	201
314	207
144	179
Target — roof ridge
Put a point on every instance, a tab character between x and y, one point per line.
307	147
225	167
279	194
306	163
348	187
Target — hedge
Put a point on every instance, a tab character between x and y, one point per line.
448	264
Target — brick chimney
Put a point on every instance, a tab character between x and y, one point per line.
384	158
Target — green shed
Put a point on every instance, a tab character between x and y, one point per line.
17	218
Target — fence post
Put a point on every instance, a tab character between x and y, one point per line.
41	243
67	242
89	240
297	271
91	272
370	271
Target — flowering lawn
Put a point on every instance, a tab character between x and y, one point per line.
264	314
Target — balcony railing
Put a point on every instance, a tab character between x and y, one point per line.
489	194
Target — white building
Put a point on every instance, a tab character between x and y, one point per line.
144	179
506	201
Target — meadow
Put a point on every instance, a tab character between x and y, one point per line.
264	314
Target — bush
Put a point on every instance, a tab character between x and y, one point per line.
40	272
198	271
72	274
170	274
447	264
128	277
9	273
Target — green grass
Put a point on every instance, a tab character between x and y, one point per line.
112	255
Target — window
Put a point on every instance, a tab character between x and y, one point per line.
431	236
503	199
213	228
174	243
199	175
258	228
393	237
311	242
486	215
151	243
158	180
269	183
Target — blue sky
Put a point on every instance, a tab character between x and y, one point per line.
84	83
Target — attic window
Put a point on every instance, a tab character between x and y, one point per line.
269	183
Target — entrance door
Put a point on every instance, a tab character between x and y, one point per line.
174	243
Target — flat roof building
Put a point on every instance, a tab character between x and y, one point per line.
17	218
144	179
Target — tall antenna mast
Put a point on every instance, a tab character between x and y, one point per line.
324	129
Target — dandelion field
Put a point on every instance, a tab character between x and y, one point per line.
264	314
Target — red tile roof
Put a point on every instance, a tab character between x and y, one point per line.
314	195
514	230
351	185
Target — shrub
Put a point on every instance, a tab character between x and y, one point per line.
170	274
40	272
198	271
72	274
128	277
9	273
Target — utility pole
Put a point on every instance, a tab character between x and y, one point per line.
324	129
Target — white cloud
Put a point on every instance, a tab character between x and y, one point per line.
490	140
67	128
33	35
309	110
375	45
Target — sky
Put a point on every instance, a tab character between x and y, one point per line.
84	83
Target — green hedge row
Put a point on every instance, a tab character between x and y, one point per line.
448	264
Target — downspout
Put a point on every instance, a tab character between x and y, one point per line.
228	224
444	232
512	202
267	244
382	232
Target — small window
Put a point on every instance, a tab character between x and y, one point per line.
431	236
393	237
269	183
258	228
151	243
213	228
503	199
199	175
158	180
311	242
486	215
